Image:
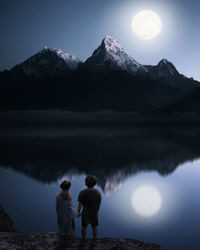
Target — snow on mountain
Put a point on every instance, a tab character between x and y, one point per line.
48	63
111	56
71	60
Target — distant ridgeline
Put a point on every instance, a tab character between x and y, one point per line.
109	80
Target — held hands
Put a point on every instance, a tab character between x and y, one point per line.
79	209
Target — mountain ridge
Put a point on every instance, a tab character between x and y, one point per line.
48	63
108	80
110	55
114	58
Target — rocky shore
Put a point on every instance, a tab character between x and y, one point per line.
11	239
6	223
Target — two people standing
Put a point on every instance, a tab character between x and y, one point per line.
89	203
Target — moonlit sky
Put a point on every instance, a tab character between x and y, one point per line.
77	27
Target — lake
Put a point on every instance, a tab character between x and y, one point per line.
149	178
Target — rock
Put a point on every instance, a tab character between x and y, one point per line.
10	239
52	241
6	223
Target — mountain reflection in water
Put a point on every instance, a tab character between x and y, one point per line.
112	154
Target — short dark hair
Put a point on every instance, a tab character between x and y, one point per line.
65	185
90	181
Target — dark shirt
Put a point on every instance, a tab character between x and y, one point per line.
91	200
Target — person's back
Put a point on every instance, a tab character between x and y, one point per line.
90	199
65	210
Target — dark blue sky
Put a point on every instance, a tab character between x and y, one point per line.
78	26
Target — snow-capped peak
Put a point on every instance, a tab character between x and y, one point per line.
111	44
71	60
111	55
49	63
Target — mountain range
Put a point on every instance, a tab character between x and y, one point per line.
108	80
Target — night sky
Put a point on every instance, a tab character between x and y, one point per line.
78	26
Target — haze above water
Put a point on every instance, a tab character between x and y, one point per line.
166	158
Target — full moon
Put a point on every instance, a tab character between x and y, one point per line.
146	201
146	24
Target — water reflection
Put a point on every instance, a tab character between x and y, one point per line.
112	154
124	160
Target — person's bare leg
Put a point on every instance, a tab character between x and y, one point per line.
95	231
83	231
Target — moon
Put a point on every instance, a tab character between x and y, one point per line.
146	201
146	24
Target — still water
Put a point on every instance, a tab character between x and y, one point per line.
149	179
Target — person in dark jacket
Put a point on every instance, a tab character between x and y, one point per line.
90	200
